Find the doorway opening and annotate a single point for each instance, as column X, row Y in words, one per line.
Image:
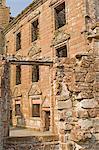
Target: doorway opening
column 47, row 120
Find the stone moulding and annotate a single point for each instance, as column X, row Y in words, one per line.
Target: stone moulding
column 52, row 2
column 34, row 90
column 16, row 92
column 60, row 37
column 32, row 16
column 33, row 6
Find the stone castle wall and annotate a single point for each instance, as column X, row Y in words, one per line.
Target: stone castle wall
column 77, row 103
column 32, row 143
column 75, row 79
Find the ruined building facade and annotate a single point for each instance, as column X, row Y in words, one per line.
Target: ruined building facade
column 60, row 92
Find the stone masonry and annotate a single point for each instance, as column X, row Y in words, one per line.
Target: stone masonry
column 68, row 88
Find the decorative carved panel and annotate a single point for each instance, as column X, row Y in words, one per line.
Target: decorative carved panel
column 16, row 92
column 34, row 50
column 60, row 37
column 34, row 90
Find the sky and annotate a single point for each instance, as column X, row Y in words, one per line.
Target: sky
column 16, row 6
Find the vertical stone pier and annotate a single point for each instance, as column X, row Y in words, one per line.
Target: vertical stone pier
column 4, row 101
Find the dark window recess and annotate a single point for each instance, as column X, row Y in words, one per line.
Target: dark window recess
column 35, row 73
column 18, row 75
column 18, row 41
column 62, row 51
column 35, row 110
column 35, row 30
column 17, row 110
column 60, row 17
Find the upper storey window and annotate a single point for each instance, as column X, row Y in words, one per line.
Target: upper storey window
column 35, row 73
column 61, row 51
column 60, row 17
column 35, row 30
column 18, row 41
column 18, row 74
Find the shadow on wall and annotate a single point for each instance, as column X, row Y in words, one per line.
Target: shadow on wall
column 6, row 100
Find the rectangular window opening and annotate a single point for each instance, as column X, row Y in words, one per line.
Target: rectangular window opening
column 35, row 73
column 35, row 30
column 17, row 110
column 18, row 41
column 61, row 51
column 18, row 74
column 60, row 17
column 35, row 110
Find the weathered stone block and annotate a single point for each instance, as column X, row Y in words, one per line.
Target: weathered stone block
column 77, row 135
column 68, row 127
column 80, row 69
column 84, row 95
column 96, row 122
column 80, row 77
column 85, row 63
column 96, row 87
column 87, row 94
column 90, row 77
column 89, row 103
column 83, row 113
column 97, row 77
column 69, row 77
column 64, row 104
column 92, row 113
column 82, row 86
column 96, row 136
column 85, row 124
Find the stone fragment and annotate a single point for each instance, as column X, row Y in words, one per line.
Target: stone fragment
column 73, row 87
column 85, row 124
column 69, row 77
column 85, row 63
column 62, row 125
column 65, row 91
column 96, row 122
column 77, row 135
column 96, row 136
column 87, row 94
column 68, row 127
column 80, row 70
column 88, row 135
column 64, row 104
column 80, row 77
column 97, row 76
column 70, row 146
column 84, row 94
column 90, row 77
column 61, row 116
column 92, row 113
column 96, row 87
column 89, row 103
column 83, row 113
column 61, row 98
